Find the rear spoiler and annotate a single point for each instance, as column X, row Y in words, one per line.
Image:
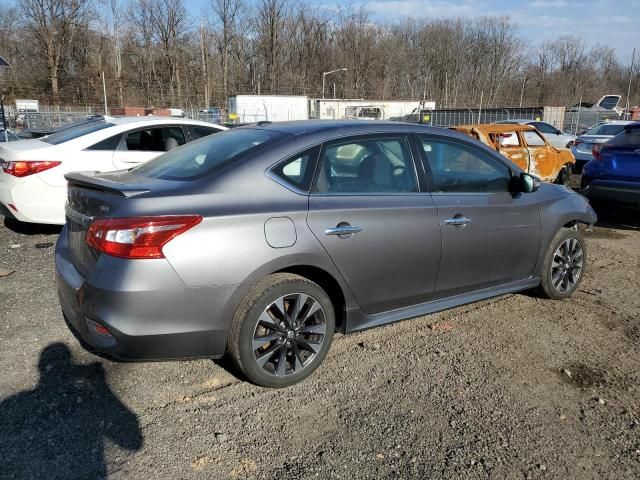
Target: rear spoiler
column 90, row 181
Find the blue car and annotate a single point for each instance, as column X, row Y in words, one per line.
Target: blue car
column 614, row 173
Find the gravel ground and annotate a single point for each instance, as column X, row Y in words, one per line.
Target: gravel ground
column 515, row 387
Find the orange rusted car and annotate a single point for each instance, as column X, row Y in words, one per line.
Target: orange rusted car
column 527, row 148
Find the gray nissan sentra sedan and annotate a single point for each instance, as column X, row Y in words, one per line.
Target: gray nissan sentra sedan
column 262, row 241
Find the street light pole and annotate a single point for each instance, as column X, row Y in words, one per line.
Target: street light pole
column 324, row 74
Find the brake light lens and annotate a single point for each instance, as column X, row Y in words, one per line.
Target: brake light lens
column 137, row 237
column 596, row 151
column 24, row 168
column 577, row 142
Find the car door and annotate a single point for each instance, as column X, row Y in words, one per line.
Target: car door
column 489, row 235
column 143, row 144
column 542, row 157
column 381, row 231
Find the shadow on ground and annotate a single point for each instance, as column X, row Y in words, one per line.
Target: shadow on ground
column 31, row 228
column 612, row 216
column 59, row 429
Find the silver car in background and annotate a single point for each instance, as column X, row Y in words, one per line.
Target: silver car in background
column 260, row 242
column 602, row 132
column 555, row 137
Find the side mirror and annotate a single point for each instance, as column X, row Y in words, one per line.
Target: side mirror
column 528, row 183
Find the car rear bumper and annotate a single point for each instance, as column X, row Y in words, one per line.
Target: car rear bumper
column 159, row 318
column 582, row 158
column 32, row 200
column 612, row 190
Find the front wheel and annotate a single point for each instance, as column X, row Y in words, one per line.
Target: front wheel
column 564, row 175
column 564, row 264
column 282, row 330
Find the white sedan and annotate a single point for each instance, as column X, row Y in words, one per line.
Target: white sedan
column 32, row 184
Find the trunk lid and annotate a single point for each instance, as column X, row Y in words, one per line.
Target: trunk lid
column 588, row 141
column 100, row 195
column 621, row 161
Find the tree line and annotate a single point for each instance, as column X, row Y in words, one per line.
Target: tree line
column 157, row 53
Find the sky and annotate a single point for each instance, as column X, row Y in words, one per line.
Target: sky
column 615, row 23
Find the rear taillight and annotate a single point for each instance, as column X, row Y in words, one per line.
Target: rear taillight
column 596, row 151
column 137, row 237
column 577, row 142
column 24, row 168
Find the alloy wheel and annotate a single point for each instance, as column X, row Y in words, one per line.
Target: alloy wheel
column 566, row 265
column 289, row 334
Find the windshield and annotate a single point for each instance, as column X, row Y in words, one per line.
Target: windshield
column 606, row 129
column 79, row 130
column 205, row 155
column 610, row 102
column 629, row 136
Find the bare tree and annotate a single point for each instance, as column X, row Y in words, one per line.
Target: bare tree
column 226, row 17
column 54, row 24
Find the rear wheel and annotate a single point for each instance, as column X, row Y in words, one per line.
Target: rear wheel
column 564, row 264
column 282, row 330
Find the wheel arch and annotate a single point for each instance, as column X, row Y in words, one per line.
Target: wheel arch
column 328, row 283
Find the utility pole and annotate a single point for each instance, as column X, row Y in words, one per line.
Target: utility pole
column 633, row 57
column 324, row 74
column 104, row 91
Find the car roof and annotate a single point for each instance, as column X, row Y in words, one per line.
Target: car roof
column 304, row 127
column 518, row 120
column 617, row 122
column 153, row 119
column 495, row 127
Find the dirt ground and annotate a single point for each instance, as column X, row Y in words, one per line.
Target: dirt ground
column 514, row 387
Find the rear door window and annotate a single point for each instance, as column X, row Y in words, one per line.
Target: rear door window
column 198, row 131
column 367, row 165
column 160, row 139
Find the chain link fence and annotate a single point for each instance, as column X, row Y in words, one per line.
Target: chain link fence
column 573, row 121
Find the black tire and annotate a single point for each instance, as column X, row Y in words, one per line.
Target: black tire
column 564, row 175
column 547, row 288
column 245, row 326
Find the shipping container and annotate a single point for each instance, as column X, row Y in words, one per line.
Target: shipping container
column 274, row 108
column 332, row 108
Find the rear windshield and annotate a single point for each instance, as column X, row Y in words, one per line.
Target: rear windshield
column 629, row 136
column 75, row 132
column 605, row 129
column 198, row 158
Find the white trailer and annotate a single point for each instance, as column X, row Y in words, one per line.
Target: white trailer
column 27, row 106
column 274, row 108
column 330, row 108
